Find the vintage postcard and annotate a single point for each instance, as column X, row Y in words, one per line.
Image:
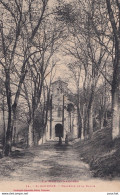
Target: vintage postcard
column 59, row 96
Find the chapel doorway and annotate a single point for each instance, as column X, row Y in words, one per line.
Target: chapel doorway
column 58, row 130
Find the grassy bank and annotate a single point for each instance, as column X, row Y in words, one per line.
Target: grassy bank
column 101, row 153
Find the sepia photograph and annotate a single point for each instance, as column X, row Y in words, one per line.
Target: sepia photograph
column 60, row 95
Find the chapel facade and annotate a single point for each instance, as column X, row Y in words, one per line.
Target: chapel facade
column 62, row 117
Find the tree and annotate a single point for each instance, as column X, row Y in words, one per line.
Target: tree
column 114, row 17
column 70, row 109
column 93, row 41
column 40, row 66
column 105, row 20
column 16, row 17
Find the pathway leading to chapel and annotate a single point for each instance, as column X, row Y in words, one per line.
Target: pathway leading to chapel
column 48, row 162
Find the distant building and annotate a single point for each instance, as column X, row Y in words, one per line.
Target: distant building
column 62, row 117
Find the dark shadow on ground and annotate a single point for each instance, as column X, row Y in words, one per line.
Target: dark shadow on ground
column 102, row 154
column 20, row 154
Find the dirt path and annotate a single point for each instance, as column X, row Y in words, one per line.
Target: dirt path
column 48, row 162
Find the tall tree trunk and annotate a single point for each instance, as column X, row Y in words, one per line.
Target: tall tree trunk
column 116, row 93
column 4, row 125
column 82, row 128
column 70, row 121
column 8, row 144
column 101, row 122
column 115, row 114
column 101, row 115
column 79, row 122
column 90, row 120
column 85, row 122
column 82, row 123
column 14, row 124
column 116, row 66
column 30, row 134
column 90, row 110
